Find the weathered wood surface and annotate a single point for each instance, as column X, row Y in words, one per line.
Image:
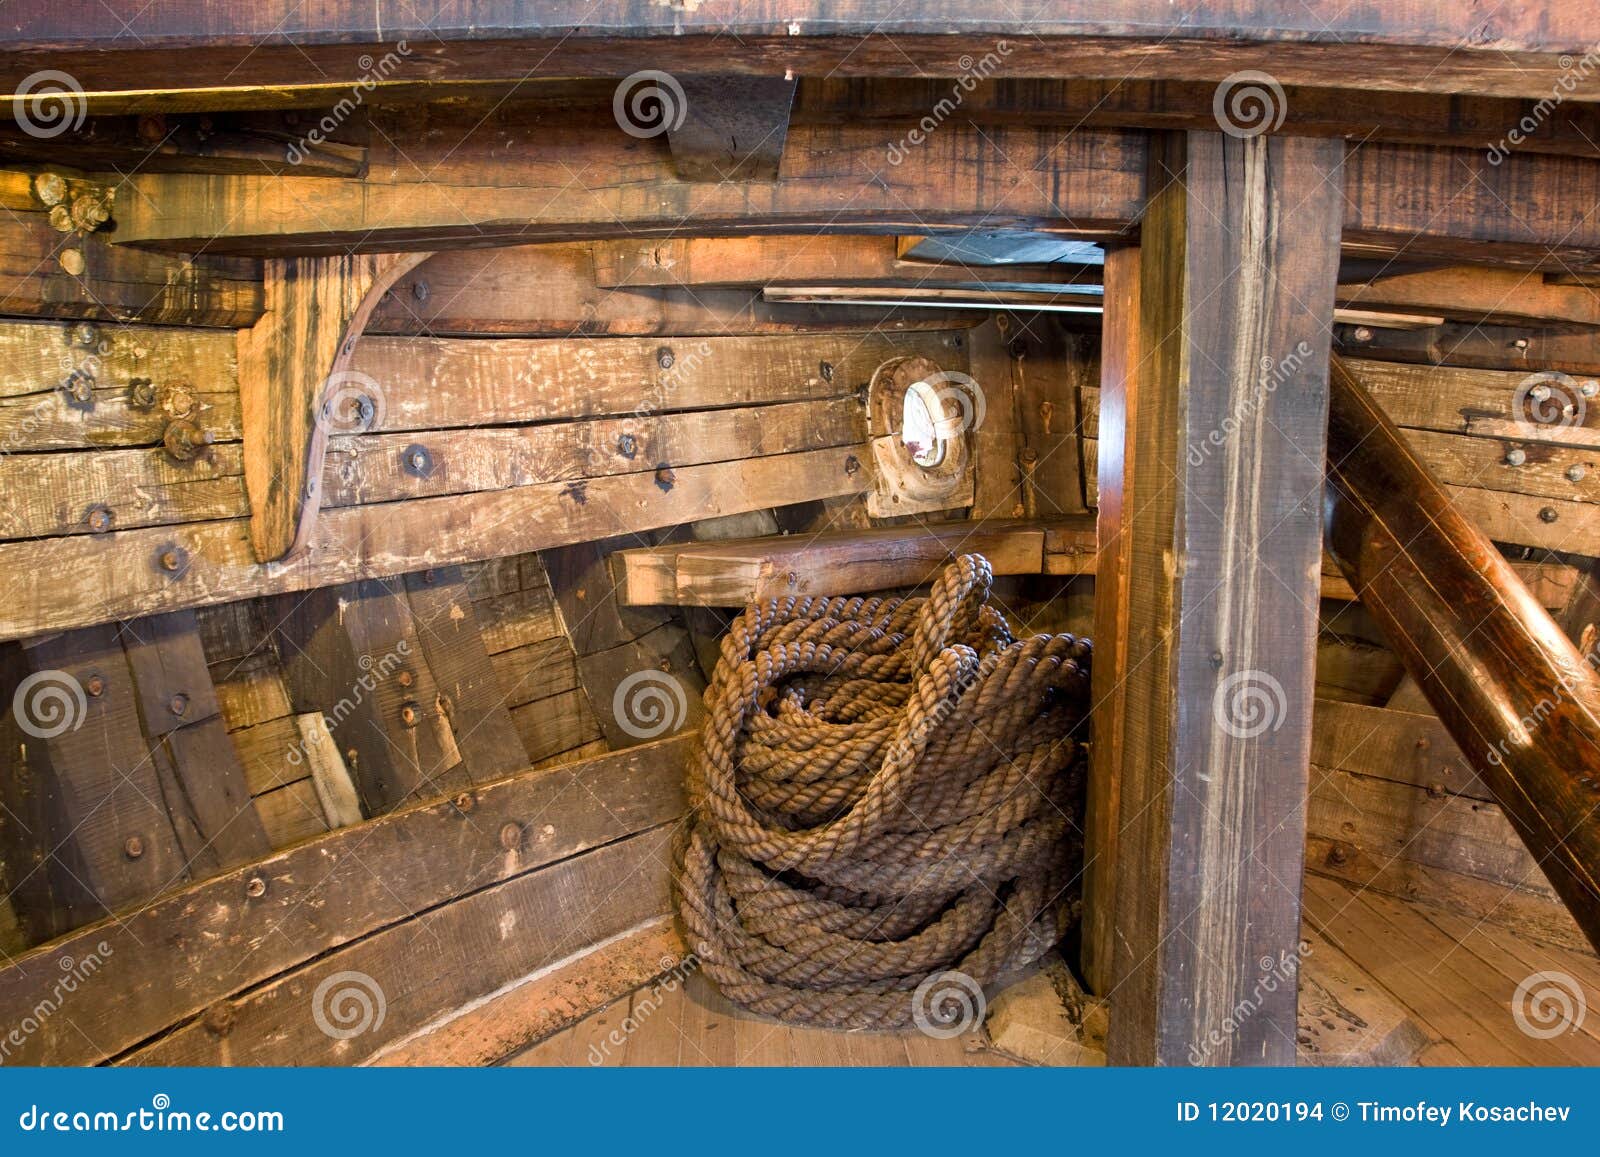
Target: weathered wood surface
column 732, row 127
column 1239, row 257
column 1522, row 702
column 63, row 583
column 294, row 387
column 222, row 940
column 732, row 574
column 1121, row 355
column 1411, row 47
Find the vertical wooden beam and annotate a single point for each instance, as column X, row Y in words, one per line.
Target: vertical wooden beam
column 202, row 780
column 295, row 386
column 1119, row 359
column 1238, row 262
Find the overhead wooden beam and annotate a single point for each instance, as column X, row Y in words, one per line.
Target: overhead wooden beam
column 1238, row 261
column 294, row 389
column 732, row 127
column 833, row 259
column 1408, row 49
column 1464, row 207
column 463, row 178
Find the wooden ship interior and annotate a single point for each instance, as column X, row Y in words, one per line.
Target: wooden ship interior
column 395, row 422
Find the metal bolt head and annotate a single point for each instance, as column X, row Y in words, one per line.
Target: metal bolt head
column 172, row 559
column 418, row 459
column 96, row 686
column 511, row 837
column 627, row 445
column 255, row 888
column 405, row 678
column 1589, row 388
column 409, row 714
column 851, row 464
column 98, row 518
column 133, row 848
column 141, row 393
column 465, row 802
column 1521, row 343
column 1575, row 472
column 1338, row 854
column 1362, row 334
column 85, row 335
column 665, row 358
column 1516, row 456
column 827, row 371
column 1540, row 392
column 178, row 704
column 419, row 290
column 1548, row 514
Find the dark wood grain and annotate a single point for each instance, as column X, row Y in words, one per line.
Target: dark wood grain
column 1519, row 698
column 1239, row 258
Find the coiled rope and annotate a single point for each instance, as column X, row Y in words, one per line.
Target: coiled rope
column 884, row 790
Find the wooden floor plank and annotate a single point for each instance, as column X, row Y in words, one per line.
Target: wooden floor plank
column 707, row 1025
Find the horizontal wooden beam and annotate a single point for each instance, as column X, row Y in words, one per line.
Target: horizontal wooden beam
column 239, row 929
column 279, row 45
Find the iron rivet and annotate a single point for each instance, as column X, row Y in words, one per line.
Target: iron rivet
column 1540, row 392
column 141, row 393
column 428, row 576
column 408, row 714
column 664, row 358
column 1521, row 343
column 1575, row 472
column 419, row 290
column 1216, row 660
column 851, row 465
column 179, row 703
column 627, row 445
column 1516, row 456
column 1362, row 334
column 1548, row 514
column 405, row 678
column 1589, row 388
column 173, row 559
column 84, row 334
column 255, row 888
column 1338, row 854
column 98, row 518
column 665, row 478
column 827, row 371
column 96, row 686
column 134, row 848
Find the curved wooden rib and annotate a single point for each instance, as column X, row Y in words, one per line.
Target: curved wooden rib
column 1517, row 696
column 292, row 363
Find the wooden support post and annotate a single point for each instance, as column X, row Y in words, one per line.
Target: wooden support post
column 1119, row 358
column 352, row 653
column 732, row 127
column 82, row 824
column 202, row 780
column 295, row 388
column 637, row 665
column 1239, row 257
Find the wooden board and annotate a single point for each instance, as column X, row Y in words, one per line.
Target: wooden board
column 222, row 940
column 1239, row 255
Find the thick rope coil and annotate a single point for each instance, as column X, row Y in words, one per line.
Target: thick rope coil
column 885, row 789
